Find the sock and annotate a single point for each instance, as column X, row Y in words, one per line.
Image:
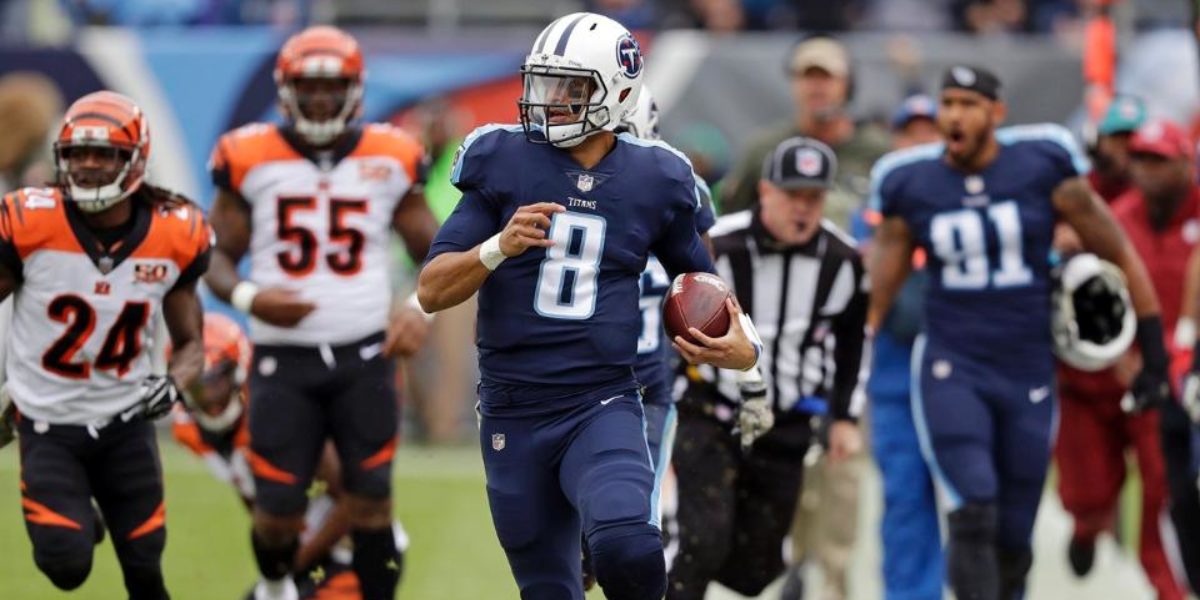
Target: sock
column 377, row 563
column 274, row 562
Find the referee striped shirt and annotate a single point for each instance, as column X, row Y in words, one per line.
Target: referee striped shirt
column 809, row 304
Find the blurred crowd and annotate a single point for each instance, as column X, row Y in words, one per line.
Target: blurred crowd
column 983, row 17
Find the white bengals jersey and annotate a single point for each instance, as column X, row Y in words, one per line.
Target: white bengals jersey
column 321, row 225
column 84, row 318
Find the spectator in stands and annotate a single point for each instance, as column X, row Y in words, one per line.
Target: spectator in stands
column 633, row 14
column 1111, row 163
column 30, row 105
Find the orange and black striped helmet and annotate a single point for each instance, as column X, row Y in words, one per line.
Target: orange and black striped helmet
column 316, row 53
column 110, row 120
column 225, row 346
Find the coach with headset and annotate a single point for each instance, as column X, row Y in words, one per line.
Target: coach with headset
column 821, row 81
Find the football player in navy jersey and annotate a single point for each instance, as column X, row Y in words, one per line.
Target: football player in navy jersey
column 983, row 204
column 557, row 219
column 652, row 368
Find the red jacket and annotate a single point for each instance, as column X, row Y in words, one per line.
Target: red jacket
column 1165, row 254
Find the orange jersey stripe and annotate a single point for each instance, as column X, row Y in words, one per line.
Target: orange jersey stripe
column 157, row 519
column 382, row 457
column 179, row 234
column 240, row 150
column 187, row 433
column 37, row 220
column 40, row 514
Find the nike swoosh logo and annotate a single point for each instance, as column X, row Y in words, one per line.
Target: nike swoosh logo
column 1036, row 395
column 605, row 402
column 370, row 351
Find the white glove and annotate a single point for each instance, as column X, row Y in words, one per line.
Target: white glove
column 1191, row 395
column 159, row 394
column 755, row 416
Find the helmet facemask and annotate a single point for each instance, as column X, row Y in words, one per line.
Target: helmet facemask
column 98, row 174
column 320, row 108
column 216, row 398
column 564, row 105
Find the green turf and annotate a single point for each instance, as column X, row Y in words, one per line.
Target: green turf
column 439, row 497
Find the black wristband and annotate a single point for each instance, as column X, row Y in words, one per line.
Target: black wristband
column 1196, row 357
column 1152, row 343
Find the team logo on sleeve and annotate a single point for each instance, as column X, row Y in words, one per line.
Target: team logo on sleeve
column 629, row 56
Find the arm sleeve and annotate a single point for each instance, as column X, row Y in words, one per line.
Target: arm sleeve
column 475, row 219
column 850, row 370
column 679, row 248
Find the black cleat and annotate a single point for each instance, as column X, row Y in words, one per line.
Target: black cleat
column 1081, row 554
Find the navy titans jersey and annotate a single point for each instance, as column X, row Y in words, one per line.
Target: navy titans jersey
column 653, row 370
column 988, row 236
column 567, row 317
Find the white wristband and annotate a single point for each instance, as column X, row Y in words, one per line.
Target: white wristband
column 243, row 295
column 490, row 254
column 413, row 302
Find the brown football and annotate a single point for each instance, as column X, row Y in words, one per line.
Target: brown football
column 696, row 300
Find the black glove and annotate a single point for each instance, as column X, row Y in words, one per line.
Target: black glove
column 1151, row 388
column 159, row 395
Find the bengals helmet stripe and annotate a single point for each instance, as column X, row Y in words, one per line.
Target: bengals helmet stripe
column 320, row 52
column 105, row 119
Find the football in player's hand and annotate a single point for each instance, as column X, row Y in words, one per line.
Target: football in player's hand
column 696, row 300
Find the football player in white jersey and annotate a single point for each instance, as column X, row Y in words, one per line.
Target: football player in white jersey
column 213, row 425
column 314, row 202
column 93, row 264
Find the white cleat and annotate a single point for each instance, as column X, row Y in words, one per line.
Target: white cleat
column 284, row 589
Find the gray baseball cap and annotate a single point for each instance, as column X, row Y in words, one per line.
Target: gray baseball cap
column 799, row 163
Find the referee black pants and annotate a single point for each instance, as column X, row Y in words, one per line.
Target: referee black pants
column 734, row 509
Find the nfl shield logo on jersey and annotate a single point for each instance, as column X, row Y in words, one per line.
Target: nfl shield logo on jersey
column 497, row 441
column 585, row 183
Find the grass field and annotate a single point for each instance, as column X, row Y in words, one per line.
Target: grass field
column 454, row 554
column 440, row 499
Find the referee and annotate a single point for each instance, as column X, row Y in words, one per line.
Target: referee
column 802, row 282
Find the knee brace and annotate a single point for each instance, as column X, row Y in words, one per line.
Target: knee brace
column 629, row 563
column 66, row 573
column 1013, row 565
column 971, row 566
